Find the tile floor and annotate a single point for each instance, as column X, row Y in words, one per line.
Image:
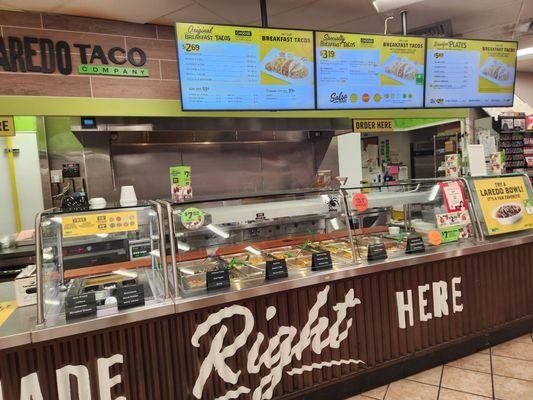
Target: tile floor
column 503, row 372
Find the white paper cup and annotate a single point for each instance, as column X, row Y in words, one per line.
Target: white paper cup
column 127, row 196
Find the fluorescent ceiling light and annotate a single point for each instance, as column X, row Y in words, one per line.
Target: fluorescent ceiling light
column 525, row 52
column 388, row 5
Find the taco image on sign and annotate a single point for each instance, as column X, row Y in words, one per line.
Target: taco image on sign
column 508, row 214
column 287, row 67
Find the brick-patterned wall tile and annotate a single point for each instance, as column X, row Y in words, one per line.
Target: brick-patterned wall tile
column 44, row 85
column 27, row 20
column 160, row 49
column 135, row 88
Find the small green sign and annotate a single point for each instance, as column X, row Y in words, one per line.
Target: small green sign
column 450, row 234
column 419, row 79
column 192, row 218
column 85, row 69
column 180, row 183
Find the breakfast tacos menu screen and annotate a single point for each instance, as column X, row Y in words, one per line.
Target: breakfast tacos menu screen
column 506, row 203
column 470, row 73
column 357, row 71
column 242, row 68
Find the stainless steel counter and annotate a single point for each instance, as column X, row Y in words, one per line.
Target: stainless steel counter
column 20, row 328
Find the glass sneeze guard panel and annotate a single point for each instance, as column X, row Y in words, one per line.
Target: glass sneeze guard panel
column 438, row 212
column 99, row 262
column 242, row 238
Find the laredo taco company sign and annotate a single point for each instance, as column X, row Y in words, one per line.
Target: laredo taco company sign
column 42, row 55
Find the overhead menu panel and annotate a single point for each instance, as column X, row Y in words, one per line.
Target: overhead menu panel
column 358, row 71
column 244, row 68
column 470, row 73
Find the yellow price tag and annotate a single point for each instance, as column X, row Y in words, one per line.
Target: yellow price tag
column 6, row 309
column 94, row 224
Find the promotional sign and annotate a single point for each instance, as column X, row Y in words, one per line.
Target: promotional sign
column 180, row 183
column 7, row 126
column 94, row 224
column 470, row 73
column 357, row 71
column 505, row 204
column 245, row 68
column 454, row 196
column 373, row 125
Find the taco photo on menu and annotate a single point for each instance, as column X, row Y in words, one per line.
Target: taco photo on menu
column 287, row 66
column 508, row 214
column 497, row 72
column 402, row 69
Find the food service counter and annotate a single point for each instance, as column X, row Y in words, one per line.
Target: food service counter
column 313, row 334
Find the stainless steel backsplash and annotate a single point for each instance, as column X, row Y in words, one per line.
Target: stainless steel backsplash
column 223, row 162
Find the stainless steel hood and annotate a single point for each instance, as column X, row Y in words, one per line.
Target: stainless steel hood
column 148, row 124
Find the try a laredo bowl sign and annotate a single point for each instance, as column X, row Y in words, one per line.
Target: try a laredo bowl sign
column 42, row 55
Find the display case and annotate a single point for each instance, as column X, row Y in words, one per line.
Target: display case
column 238, row 243
column 244, row 242
column 101, row 262
column 405, row 218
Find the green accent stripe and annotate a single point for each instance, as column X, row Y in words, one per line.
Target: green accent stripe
column 76, row 106
column 25, row 124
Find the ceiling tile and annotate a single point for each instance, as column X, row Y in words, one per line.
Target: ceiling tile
column 372, row 24
column 192, row 13
column 323, row 13
column 31, row 5
column 486, row 18
column 236, row 11
column 279, row 6
column 128, row 10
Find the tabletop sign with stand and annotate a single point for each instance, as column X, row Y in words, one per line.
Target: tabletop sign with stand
column 415, row 244
column 217, row 279
column 505, row 202
column 376, row 251
column 130, row 296
column 276, row 269
column 321, row 261
column 79, row 306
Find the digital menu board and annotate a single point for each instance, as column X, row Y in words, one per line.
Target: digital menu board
column 470, row 73
column 244, row 68
column 357, row 71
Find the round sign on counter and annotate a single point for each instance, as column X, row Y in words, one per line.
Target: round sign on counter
column 360, row 201
column 434, row 238
column 192, row 218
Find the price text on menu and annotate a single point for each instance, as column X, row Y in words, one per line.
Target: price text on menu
column 357, row 71
column 243, row 68
column 470, row 73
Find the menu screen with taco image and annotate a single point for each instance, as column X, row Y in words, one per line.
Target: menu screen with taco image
column 506, row 203
column 357, row 71
column 470, row 73
column 245, row 68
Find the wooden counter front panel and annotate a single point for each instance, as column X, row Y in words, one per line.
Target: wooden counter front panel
column 160, row 361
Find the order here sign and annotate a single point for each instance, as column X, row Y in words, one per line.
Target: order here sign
column 7, row 127
column 373, row 125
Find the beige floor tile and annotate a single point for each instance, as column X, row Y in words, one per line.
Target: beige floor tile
column 514, row 349
column 475, row 362
column 431, row 376
column 486, row 351
column 525, row 339
column 512, row 389
column 512, row 368
column 467, row 381
column 359, row 397
column 448, row 394
column 377, row 393
column 405, row 389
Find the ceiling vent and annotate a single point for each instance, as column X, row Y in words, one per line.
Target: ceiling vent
column 439, row 29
